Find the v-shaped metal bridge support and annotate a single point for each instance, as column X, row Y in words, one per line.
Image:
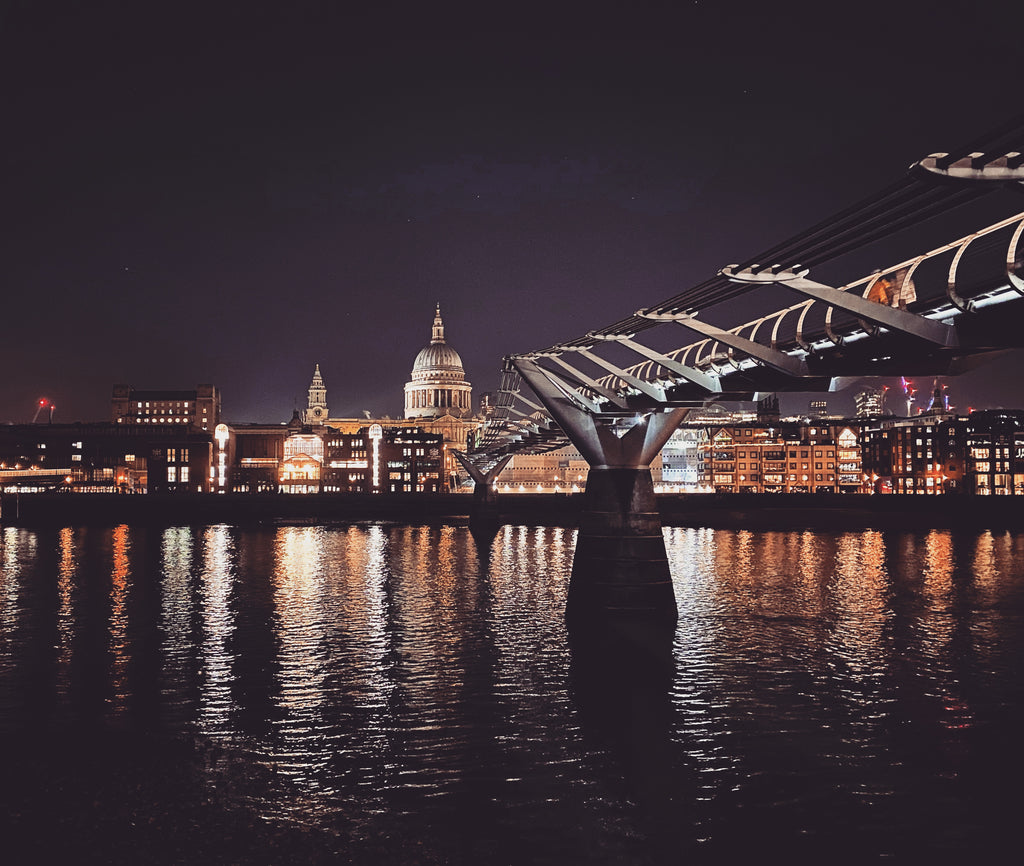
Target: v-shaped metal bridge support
column 485, row 500
column 620, row 568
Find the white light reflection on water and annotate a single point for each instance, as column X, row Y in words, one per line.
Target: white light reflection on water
column 368, row 761
column 303, row 613
column 216, row 660
column 177, row 608
column 17, row 544
column 703, row 617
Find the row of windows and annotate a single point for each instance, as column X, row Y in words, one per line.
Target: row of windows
column 429, row 398
column 177, row 474
column 775, row 455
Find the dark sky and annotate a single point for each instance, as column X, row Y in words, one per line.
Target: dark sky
column 233, row 192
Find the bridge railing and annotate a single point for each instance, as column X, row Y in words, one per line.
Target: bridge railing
column 979, row 269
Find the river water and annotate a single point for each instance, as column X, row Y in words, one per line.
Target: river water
column 827, row 693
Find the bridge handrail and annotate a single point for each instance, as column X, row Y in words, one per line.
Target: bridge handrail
column 908, row 264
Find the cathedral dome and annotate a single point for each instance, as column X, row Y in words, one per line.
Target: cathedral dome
column 438, row 383
column 437, row 357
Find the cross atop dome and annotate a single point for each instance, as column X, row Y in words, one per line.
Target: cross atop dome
column 438, row 333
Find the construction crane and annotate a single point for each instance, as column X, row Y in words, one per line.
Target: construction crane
column 43, row 404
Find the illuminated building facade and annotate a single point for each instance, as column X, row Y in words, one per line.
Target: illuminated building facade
column 300, row 458
column 677, row 468
column 869, row 402
column 300, row 469
column 378, row 459
column 561, row 470
column 682, row 461
column 981, row 454
column 994, row 458
column 921, row 455
column 786, row 458
column 199, row 408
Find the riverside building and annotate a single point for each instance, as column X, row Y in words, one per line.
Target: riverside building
column 199, row 408
column 981, row 454
column 104, row 457
column 788, row 457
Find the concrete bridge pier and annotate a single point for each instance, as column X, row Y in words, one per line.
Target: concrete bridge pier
column 620, row 568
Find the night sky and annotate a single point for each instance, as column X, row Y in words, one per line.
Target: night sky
column 235, row 192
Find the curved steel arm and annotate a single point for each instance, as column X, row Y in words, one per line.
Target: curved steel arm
column 976, row 166
column 888, row 317
column 771, row 357
column 711, row 384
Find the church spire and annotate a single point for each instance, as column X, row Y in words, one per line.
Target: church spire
column 316, row 411
column 318, row 381
column 438, row 333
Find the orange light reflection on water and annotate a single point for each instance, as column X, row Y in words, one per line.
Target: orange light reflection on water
column 120, row 654
column 67, row 569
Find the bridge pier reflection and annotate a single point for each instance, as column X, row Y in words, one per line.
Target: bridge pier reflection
column 620, row 676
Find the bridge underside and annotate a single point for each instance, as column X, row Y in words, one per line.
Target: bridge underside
column 982, row 336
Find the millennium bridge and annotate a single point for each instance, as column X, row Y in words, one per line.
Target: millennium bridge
column 950, row 297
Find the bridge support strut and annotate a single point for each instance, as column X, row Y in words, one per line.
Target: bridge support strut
column 485, row 499
column 620, row 568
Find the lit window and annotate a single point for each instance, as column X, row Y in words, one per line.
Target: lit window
column 172, row 474
column 184, row 474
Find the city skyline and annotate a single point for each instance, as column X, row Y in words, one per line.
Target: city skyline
column 234, row 197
